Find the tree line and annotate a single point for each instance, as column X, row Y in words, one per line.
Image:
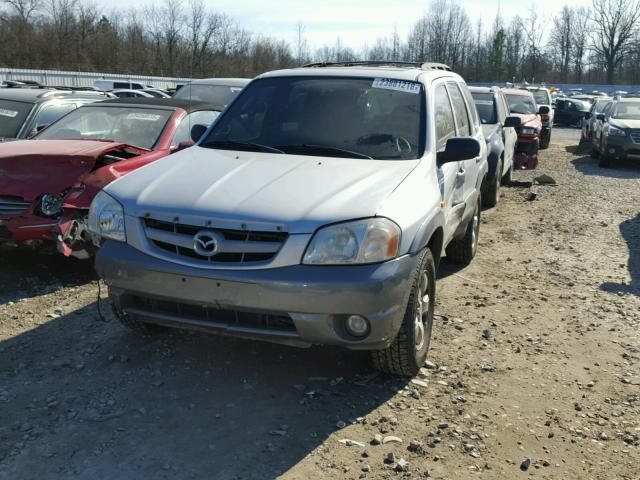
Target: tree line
column 597, row 44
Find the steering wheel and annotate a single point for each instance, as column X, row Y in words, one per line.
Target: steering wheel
column 401, row 142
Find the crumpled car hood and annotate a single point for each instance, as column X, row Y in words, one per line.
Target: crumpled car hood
column 29, row 168
column 299, row 192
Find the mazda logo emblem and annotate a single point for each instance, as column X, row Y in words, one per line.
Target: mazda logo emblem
column 206, row 243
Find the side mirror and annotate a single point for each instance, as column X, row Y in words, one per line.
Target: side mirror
column 458, row 149
column 544, row 110
column 197, row 131
column 38, row 129
column 512, row 122
column 587, row 115
column 600, row 116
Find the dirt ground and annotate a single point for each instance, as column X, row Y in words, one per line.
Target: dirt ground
column 535, row 355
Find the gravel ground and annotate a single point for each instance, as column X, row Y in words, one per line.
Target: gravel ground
column 534, row 369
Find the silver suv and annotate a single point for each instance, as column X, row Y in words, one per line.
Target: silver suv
column 314, row 210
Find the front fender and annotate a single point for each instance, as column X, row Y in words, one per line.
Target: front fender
column 433, row 222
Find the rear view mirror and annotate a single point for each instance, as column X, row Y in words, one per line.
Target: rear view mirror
column 512, row 122
column 38, row 129
column 544, row 110
column 197, row 131
column 459, row 149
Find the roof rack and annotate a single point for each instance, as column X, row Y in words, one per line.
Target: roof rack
column 54, row 92
column 381, row 63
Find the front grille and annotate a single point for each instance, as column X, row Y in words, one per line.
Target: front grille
column 635, row 136
column 13, row 206
column 236, row 246
column 215, row 317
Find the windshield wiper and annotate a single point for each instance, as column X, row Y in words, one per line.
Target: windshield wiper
column 232, row 144
column 324, row 149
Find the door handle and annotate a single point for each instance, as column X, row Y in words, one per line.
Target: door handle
column 461, row 172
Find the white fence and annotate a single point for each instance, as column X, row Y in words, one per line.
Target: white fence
column 84, row 79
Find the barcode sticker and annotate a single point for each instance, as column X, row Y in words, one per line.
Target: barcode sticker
column 398, row 85
column 148, row 117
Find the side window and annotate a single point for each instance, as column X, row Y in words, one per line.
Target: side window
column 473, row 113
column 445, row 126
column 460, row 109
column 50, row 113
column 183, row 132
column 607, row 109
column 505, row 106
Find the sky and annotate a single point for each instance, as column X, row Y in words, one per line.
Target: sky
column 355, row 22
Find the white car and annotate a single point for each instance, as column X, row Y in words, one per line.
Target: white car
column 314, row 210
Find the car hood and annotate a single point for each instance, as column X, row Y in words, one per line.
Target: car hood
column 625, row 124
column 527, row 119
column 29, row 168
column 298, row 193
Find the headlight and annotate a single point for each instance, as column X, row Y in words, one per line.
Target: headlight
column 51, row 205
column 106, row 218
column 369, row 240
column 616, row 132
column 528, row 131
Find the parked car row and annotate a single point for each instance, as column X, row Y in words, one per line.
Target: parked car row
column 309, row 206
column 615, row 132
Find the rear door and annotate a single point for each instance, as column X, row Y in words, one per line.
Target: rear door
column 466, row 127
column 450, row 180
column 510, row 135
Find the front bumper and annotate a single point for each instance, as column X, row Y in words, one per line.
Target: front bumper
column 621, row 147
column 315, row 300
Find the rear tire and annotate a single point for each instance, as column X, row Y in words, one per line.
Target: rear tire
column 464, row 250
column 491, row 196
column 507, row 178
column 408, row 352
column 545, row 140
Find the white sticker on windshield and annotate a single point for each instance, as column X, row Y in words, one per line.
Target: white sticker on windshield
column 8, row 113
column 399, row 85
column 483, row 102
column 148, row 117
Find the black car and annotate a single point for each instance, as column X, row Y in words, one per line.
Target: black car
column 570, row 111
column 25, row 111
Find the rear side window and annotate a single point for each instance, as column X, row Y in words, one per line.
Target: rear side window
column 445, row 125
column 473, row 113
column 462, row 117
column 50, row 113
column 486, row 107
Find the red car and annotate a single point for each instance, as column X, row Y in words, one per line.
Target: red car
column 523, row 104
column 47, row 183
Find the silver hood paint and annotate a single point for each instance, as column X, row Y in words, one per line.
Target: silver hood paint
column 301, row 193
column 624, row 124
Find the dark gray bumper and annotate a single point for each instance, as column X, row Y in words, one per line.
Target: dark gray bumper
column 622, row 147
column 316, row 299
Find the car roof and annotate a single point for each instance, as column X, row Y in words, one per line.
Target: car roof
column 517, row 91
column 173, row 103
column 627, row 100
column 36, row 95
column 537, row 88
column 484, row 89
column 409, row 72
column 226, row 82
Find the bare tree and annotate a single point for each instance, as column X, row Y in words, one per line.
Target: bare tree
column 615, row 23
column 301, row 46
column 562, row 39
column 580, row 37
column 25, row 9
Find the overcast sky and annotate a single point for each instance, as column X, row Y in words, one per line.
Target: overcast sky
column 356, row 22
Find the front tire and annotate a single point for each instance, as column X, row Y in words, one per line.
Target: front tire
column 492, row 194
column 408, row 352
column 464, row 250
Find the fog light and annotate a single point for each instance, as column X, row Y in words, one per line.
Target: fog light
column 612, row 150
column 51, row 205
column 357, row 326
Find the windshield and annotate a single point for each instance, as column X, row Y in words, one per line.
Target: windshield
column 12, row 117
column 341, row 117
column 139, row 127
column 541, row 96
column 486, row 108
column 601, row 104
column 218, row 94
column 521, row 104
column 627, row 111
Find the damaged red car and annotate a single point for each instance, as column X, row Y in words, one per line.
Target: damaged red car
column 523, row 104
column 47, row 183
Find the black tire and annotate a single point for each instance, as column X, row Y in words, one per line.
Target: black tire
column 491, row 195
column 545, row 140
column 605, row 161
column 463, row 251
column 408, row 351
column 507, row 178
column 134, row 325
column 579, row 123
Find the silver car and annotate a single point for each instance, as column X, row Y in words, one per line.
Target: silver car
column 315, row 210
